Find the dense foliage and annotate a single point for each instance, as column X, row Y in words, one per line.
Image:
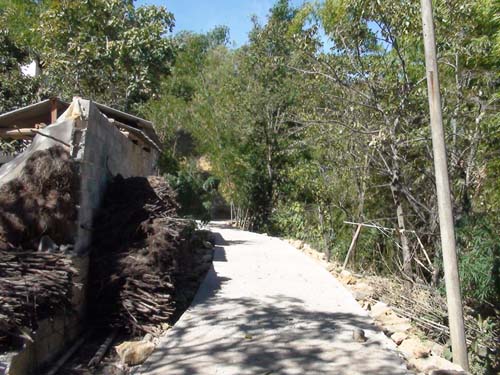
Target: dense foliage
column 109, row 51
column 320, row 122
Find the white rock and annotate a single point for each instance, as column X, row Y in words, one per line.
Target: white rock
column 359, row 335
column 393, row 323
column 399, row 337
column 347, row 278
column 361, row 290
column 413, row 347
column 379, row 309
column 437, row 349
column 134, row 352
column 332, row 268
column 298, row 244
column 433, row 363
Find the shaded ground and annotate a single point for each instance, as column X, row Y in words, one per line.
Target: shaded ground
column 195, row 264
column 266, row 308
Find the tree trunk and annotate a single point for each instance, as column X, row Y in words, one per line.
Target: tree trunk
column 407, row 269
column 397, row 196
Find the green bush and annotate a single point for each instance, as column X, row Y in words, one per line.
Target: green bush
column 195, row 192
column 479, row 260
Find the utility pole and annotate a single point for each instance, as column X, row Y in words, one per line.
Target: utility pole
column 453, row 297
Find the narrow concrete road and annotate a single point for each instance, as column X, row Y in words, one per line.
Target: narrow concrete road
column 266, row 308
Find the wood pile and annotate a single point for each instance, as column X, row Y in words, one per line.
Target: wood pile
column 137, row 241
column 39, row 204
column 33, row 285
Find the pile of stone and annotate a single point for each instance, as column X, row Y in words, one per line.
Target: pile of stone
column 423, row 355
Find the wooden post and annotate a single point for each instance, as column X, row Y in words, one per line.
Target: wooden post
column 353, row 245
column 453, row 297
column 53, row 110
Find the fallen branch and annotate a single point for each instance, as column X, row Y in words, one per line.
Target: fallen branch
column 101, row 352
column 352, row 246
column 57, row 366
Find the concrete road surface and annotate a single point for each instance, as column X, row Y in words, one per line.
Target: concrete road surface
column 266, row 308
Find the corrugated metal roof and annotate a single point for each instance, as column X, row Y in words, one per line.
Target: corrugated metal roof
column 40, row 113
column 128, row 119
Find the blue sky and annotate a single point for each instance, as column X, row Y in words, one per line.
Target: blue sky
column 202, row 15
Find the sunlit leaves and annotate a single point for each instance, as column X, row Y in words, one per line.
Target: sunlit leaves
column 106, row 50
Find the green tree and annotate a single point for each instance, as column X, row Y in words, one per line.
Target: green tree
column 109, row 51
column 16, row 90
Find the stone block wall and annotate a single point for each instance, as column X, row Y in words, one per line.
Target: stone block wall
column 55, row 334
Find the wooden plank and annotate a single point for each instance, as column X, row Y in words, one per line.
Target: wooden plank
column 53, row 110
column 17, row 133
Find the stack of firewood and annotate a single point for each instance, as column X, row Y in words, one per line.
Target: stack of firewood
column 41, row 202
column 32, row 286
column 137, row 240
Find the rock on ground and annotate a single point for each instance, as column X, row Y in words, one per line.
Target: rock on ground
column 134, row 352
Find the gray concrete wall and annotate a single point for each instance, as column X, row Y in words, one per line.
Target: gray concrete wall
column 104, row 152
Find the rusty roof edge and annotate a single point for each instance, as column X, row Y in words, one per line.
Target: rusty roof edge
column 105, row 109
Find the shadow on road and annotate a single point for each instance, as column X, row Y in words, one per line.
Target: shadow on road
column 265, row 340
column 272, row 334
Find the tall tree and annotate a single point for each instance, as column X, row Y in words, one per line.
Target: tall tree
column 109, row 51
